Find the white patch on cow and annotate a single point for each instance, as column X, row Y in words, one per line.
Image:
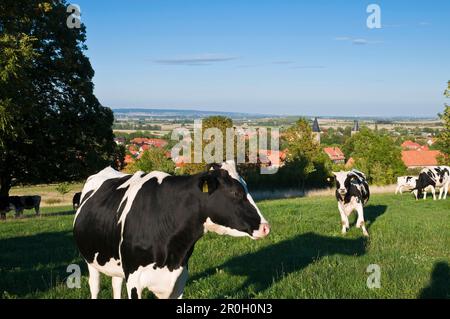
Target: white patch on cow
column 161, row 281
column 230, row 167
column 209, row 225
column 134, row 184
column 112, row 268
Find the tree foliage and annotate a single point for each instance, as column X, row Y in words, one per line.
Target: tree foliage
column 376, row 155
column 52, row 127
column 153, row 159
column 305, row 159
column 219, row 122
column 444, row 136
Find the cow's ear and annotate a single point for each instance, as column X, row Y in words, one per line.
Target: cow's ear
column 213, row 166
column 208, row 183
column 334, row 173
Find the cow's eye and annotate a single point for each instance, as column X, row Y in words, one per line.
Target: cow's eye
column 236, row 194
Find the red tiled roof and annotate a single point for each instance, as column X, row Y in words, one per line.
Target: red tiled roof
column 410, row 145
column 149, row 141
column 334, row 153
column 128, row 159
column 274, row 156
column 420, row 158
column 350, row 162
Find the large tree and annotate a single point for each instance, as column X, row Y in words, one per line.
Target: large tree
column 305, row 159
column 444, row 136
column 52, row 127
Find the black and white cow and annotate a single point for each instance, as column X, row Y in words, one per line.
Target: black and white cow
column 19, row 204
column 436, row 176
column 409, row 183
column 405, row 182
column 76, row 200
column 143, row 227
column 352, row 193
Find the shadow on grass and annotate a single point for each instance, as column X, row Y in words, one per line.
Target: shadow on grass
column 270, row 264
column 372, row 212
column 439, row 286
column 35, row 263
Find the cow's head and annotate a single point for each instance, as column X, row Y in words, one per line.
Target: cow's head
column 229, row 207
column 342, row 182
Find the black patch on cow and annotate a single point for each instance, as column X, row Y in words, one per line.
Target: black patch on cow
column 425, row 179
column 96, row 228
column 408, row 178
column 86, row 196
column 134, row 294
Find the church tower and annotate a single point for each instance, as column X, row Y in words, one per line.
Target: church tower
column 355, row 128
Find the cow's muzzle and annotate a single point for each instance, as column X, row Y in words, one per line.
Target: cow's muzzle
column 263, row 231
column 342, row 191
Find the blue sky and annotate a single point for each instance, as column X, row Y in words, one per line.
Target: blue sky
column 266, row 56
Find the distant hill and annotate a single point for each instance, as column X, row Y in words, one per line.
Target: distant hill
column 171, row 113
column 195, row 114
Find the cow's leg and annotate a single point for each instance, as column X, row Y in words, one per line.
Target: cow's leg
column 360, row 221
column 344, row 219
column 94, row 281
column 445, row 190
column 117, row 287
column 433, row 191
column 397, row 189
column 18, row 213
column 177, row 292
column 441, row 189
column 134, row 287
column 2, row 216
column 415, row 192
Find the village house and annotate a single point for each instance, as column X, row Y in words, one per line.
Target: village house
column 415, row 155
column 335, row 154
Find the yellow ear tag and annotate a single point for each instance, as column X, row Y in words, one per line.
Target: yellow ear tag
column 205, row 187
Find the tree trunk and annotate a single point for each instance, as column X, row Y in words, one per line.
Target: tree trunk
column 5, row 185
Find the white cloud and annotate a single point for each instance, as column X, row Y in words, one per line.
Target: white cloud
column 201, row 59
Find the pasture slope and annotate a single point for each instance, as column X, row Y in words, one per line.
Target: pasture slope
column 305, row 256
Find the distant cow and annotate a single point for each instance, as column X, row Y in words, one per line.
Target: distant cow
column 76, row 200
column 352, row 193
column 143, row 227
column 19, row 204
column 405, row 182
column 436, row 176
column 409, row 183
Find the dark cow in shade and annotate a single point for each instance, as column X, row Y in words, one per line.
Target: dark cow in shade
column 436, row 176
column 143, row 227
column 19, row 204
column 76, row 200
column 352, row 193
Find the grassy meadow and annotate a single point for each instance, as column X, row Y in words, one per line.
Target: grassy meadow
column 305, row 256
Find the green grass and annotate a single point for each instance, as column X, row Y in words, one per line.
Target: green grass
column 305, row 256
